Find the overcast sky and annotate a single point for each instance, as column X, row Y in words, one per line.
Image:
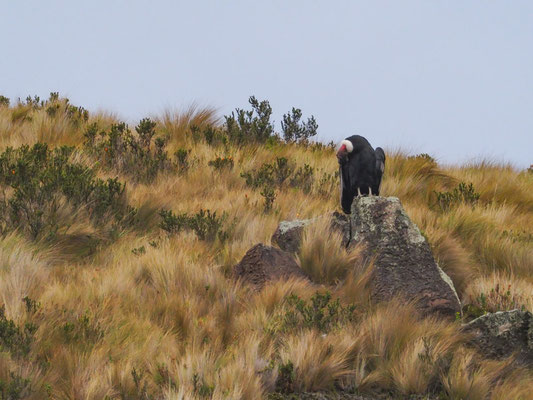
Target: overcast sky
column 450, row 78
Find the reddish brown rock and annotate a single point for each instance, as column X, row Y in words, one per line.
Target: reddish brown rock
column 262, row 264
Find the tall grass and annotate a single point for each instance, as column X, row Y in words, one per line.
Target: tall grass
column 168, row 321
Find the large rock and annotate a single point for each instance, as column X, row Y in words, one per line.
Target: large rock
column 262, row 264
column 288, row 235
column 403, row 262
column 500, row 334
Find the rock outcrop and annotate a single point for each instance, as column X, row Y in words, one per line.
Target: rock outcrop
column 288, row 235
column 262, row 264
column 500, row 334
column 403, row 261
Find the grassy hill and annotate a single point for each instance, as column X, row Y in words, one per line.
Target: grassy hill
column 116, row 253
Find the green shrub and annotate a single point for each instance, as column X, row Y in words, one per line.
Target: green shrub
column 138, row 155
column 269, row 195
column 55, row 106
column 40, row 178
column 321, row 314
column 213, row 136
column 269, row 174
column 205, row 224
column 303, row 178
column 201, row 388
column 328, row 183
column 463, row 193
column 82, row 329
column 252, row 126
column 4, row 101
column 220, row 164
column 182, row 156
column 423, row 156
column 286, row 377
column 15, row 388
column 17, row 340
column 296, row 131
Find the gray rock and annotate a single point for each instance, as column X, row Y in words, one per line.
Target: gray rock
column 500, row 334
column 403, row 261
column 262, row 264
column 288, row 235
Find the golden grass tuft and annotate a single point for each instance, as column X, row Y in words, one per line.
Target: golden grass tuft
column 322, row 255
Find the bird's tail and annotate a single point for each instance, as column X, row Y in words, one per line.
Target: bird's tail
column 380, row 155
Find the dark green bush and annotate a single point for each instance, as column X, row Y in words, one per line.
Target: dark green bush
column 328, row 183
column 286, row 377
column 56, row 106
column 213, row 136
column 138, row 155
column 17, row 340
column 221, row 163
column 182, row 156
column 321, row 314
column 463, row 193
column 303, row 178
column 252, row 126
column 296, row 131
column 82, row 329
column 4, row 101
column 205, row 224
column 269, row 195
column 40, row 179
column 423, row 156
column 269, row 174
column 15, row 388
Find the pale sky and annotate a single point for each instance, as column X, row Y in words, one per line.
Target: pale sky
column 450, row 78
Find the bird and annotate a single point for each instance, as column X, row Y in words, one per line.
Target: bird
column 360, row 169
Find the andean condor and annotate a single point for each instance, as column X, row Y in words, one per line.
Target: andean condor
column 360, row 169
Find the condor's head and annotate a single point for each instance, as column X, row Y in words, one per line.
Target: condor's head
column 345, row 149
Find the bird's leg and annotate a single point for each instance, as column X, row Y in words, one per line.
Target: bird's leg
column 358, row 192
column 370, row 191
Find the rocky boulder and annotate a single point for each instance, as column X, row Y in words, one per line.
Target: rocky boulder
column 262, row 264
column 288, row 235
column 403, row 261
column 500, row 334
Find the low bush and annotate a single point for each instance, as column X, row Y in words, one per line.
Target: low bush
column 138, row 155
column 15, row 388
column 321, row 313
column 463, row 193
column 280, row 173
column 40, row 179
column 13, row 338
column 296, row 131
column 205, row 224
column 253, row 126
column 182, row 157
column 221, row 163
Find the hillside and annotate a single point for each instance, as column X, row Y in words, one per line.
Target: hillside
column 116, row 256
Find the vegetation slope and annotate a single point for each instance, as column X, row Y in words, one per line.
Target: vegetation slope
column 116, row 255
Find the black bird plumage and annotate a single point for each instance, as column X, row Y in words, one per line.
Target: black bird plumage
column 360, row 170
